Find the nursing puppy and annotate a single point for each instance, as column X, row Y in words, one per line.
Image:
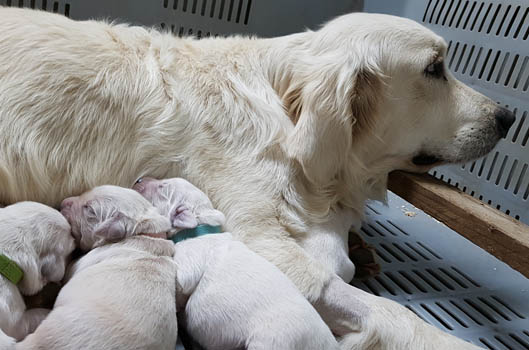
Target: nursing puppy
column 232, row 297
column 37, row 239
column 119, row 295
column 283, row 134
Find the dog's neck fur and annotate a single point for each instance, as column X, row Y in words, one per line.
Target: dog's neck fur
column 281, row 62
column 371, row 178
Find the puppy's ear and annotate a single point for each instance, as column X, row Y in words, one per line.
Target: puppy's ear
column 112, row 229
column 329, row 108
column 183, row 218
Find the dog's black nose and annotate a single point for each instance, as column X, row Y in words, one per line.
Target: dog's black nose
column 504, row 121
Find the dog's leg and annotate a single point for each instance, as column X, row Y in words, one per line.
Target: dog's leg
column 327, row 243
column 309, row 275
column 367, row 322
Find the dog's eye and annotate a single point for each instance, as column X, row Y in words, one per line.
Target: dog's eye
column 435, row 70
column 89, row 211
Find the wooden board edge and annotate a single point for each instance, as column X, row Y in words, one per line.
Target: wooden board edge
column 492, row 230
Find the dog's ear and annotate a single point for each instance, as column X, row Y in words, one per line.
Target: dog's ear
column 183, row 218
column 329, row 109
column 112, row 229
column 365, row 99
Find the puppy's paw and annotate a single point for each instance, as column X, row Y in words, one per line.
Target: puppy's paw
column 164, row 247
column 363, row 257
column 155, row 246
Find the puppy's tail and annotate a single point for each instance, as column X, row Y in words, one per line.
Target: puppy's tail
column 6, row 342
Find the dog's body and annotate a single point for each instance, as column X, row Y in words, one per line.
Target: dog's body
column 233, row 298
column 118, row 296
column 37, row 238
column 281, row 133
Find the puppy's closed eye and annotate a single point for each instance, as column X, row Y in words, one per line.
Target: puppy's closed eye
column 89, row 211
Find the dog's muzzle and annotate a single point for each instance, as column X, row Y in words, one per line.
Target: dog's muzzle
column 504, row 120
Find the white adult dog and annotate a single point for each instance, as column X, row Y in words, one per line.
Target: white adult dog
column 37, row 240
column 283, row 134
column 231, row 298
column 119, row 295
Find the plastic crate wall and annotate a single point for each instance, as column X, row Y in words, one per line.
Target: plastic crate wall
column 488, row 49
column 203, row 17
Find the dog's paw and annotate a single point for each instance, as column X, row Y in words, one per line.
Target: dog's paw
column 363, row 257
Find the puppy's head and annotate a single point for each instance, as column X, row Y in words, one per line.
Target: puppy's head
column 373, row 92
column 109, row 214
column 39, row 239
column 184, row 204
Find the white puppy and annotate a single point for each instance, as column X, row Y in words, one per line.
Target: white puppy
column 118, row 296
column 233, row 298
column 35, row 242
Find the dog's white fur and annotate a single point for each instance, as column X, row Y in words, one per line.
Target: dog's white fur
column 37, row 238
column 233, row 298
column 281, row 133
column 120, row 295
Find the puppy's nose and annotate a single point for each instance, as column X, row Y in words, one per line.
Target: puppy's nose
column 504, row 120
column 67, row 203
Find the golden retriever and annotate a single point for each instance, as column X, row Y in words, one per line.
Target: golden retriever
column 288, row 136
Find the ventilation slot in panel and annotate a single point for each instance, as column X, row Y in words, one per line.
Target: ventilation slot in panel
column 46, row 5
column 185, row 32
column 423, row 272
column 237, row 11
column 504, row 20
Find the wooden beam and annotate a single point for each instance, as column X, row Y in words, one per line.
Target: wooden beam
column 492, row 230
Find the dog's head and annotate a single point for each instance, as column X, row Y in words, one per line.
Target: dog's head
column 372, row 93
column 110, row 214
column 39, row 239
column 183, row 203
